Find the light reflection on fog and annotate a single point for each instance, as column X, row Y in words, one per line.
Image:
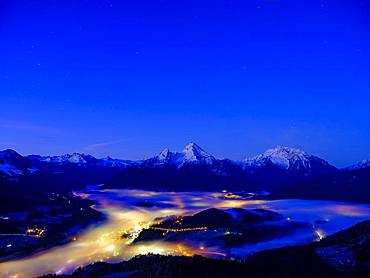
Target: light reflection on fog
column 104, row 243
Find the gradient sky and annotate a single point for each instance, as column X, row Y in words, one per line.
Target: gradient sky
column 129, row 78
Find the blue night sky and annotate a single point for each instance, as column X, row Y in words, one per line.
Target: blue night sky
column 129, row 78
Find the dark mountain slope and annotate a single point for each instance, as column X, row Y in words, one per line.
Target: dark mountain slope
column 349, row 185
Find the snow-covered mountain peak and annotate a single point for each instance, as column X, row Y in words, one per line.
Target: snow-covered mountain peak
column 164, row 154
column 282, row 157
column 285, row 151
column 362, row 164
column 193, row 152
column 291, row 160
column 77, row 158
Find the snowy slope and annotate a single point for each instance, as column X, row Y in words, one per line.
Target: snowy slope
column 9, row 169
column 362, row 164
column 80, row 160
column 192, row 154
column 289, row 159
column 13, row 164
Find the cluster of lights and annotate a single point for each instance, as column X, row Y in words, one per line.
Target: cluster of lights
column 183, row 251
column 35, row 232
column 142, row 250
column 232, row 196
column 180, row 230
column 133, row 233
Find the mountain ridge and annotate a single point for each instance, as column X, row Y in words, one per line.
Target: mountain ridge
column 360, row 165
column 290, row 159
column 281, row 157
column 282, row 171
column 191, row 152
column 196, row 169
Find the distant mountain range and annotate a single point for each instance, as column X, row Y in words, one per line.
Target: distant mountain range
column 281, row 171
column 362, row 164
column 65, row 172
column 12, row 163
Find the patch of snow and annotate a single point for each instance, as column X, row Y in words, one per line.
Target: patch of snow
column 32, row 170
column 47, row 159
column 164, row 154
column 10, row 169
column 219, row 172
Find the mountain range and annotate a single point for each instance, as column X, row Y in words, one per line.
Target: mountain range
column 280, row 171
column 63, row 173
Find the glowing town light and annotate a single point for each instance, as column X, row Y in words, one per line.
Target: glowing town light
column 320, row 234
column 142, row 250
column 110, row 248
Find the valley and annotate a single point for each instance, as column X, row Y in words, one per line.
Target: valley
column 115, row 239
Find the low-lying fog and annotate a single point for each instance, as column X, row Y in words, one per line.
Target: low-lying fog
column 129, row 211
